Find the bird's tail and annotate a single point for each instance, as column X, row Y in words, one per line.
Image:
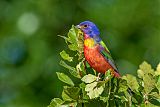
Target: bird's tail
column 116, row 74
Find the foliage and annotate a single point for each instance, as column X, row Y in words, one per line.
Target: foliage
column 29, row 45
column 141, row 90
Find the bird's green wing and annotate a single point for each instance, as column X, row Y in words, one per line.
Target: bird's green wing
column 104, row 45
column 105, row 52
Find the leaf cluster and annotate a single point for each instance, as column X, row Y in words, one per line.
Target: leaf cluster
column 142, row 90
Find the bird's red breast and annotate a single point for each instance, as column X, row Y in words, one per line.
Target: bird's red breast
column 95, row 58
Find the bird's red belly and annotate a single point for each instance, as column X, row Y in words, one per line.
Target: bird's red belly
column 96, row 60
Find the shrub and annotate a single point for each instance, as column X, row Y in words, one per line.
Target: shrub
column 142, row 90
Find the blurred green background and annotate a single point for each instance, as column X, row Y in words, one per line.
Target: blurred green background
column 29, row 46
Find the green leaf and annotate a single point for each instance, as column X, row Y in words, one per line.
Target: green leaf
column 74, row 41
column 154, row 101
column 123, row 99
column 66, row 97
column 70, row 93
column 72, row 35
column 64, row 78
column 89, row 78
column 56, row 102
column 123, row 86
column 62, row 63
column 137, row 98
column 93, row 91
column 104, row 99
column 69, row 104
column 146, row 68
column 147, row 74
column 75, row 38
column 81, row 68
column 132, row 82
column 82, row 86
column 64, row 37
column 140, row 73
column 73, row 47
column 66, row 56
column 87, row 64
column 90, row 87
column 157, row 72
column 72, row 70
column 108, row 74
column 149, row 83
column 158, row 84
column 150, row 105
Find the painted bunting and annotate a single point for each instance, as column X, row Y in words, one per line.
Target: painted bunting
column 95, row 51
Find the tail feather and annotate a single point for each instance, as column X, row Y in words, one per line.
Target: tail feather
column 116, row 74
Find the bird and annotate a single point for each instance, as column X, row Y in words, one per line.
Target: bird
column 96, row 52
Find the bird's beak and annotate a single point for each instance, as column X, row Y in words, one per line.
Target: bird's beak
column 78, row 26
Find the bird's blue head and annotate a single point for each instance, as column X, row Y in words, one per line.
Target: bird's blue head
column 90, row 29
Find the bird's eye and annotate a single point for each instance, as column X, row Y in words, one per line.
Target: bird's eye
column 85, row 26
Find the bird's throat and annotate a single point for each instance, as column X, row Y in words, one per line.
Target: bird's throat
column 86, row 36
column 89, row 42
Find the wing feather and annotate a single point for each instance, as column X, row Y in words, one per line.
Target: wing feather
column 105, row 52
